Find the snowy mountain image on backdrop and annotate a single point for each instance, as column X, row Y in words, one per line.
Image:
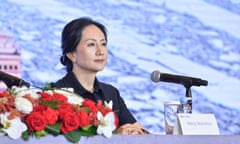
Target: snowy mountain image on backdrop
column 194, row 38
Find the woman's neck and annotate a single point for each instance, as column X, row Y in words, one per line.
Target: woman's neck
column 86, row 79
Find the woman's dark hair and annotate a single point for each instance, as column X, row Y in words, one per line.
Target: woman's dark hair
column 71, row 36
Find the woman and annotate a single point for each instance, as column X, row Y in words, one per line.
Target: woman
column 85, row 52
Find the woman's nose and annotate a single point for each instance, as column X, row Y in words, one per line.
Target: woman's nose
column 99, row 50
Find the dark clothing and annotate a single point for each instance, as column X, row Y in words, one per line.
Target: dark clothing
column 103, row 92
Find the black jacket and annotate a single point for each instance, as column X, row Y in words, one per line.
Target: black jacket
column 102, row 91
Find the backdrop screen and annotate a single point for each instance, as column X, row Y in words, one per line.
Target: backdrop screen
column 199, row 38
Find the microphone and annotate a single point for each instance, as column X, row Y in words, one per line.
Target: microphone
column 10, row 80
column 157, row 76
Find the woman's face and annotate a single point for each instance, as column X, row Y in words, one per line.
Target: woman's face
column 91, row 52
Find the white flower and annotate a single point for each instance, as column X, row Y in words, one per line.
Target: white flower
column 68, row 89
column 108, row 104
column 72, row 97
column 22, row 91
column 14, row 127
column 107, row 124
column 23, row 105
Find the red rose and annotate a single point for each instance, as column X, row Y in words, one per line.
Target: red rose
column 51, row 115
column 60, row 97
column 4, row 93
column 84, row 119
column 93, row 119
column 39, row 109
column 70, row 122
column 65, row 108
column 91, row 104
column 35, row 121
column 46, row 96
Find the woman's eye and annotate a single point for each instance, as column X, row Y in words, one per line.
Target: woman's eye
column 91, row 44
column 104, row 44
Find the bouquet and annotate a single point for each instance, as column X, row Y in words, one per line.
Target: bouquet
column 26, row 112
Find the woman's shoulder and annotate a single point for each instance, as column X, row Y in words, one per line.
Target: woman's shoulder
column 64, row 81
column 106, row 86
column 110, row 92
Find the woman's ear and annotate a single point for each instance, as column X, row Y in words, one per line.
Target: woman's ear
column 71, row 56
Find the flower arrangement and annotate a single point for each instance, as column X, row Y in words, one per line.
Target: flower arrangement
column 26, row 112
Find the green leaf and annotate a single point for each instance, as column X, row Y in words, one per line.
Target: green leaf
column 87, row 127
column 48, row 86
column 1, row 131
column 88, row 131
column 53, row 129
column 86, row 109
column 73, row 136
column 41, row 133
column 26, row 134
column 53, row 103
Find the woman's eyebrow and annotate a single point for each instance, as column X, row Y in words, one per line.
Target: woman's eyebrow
column 95, row 39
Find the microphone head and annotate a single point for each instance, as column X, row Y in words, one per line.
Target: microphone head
column 204, row 82
column 155, row 76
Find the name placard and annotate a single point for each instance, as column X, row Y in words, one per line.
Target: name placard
column 196, row 124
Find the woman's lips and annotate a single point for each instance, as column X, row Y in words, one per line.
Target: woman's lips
column 99, row 60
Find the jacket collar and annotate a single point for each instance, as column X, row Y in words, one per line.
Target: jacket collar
column 76, row 85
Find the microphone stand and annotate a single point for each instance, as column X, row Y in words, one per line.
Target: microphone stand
column 187, row 84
